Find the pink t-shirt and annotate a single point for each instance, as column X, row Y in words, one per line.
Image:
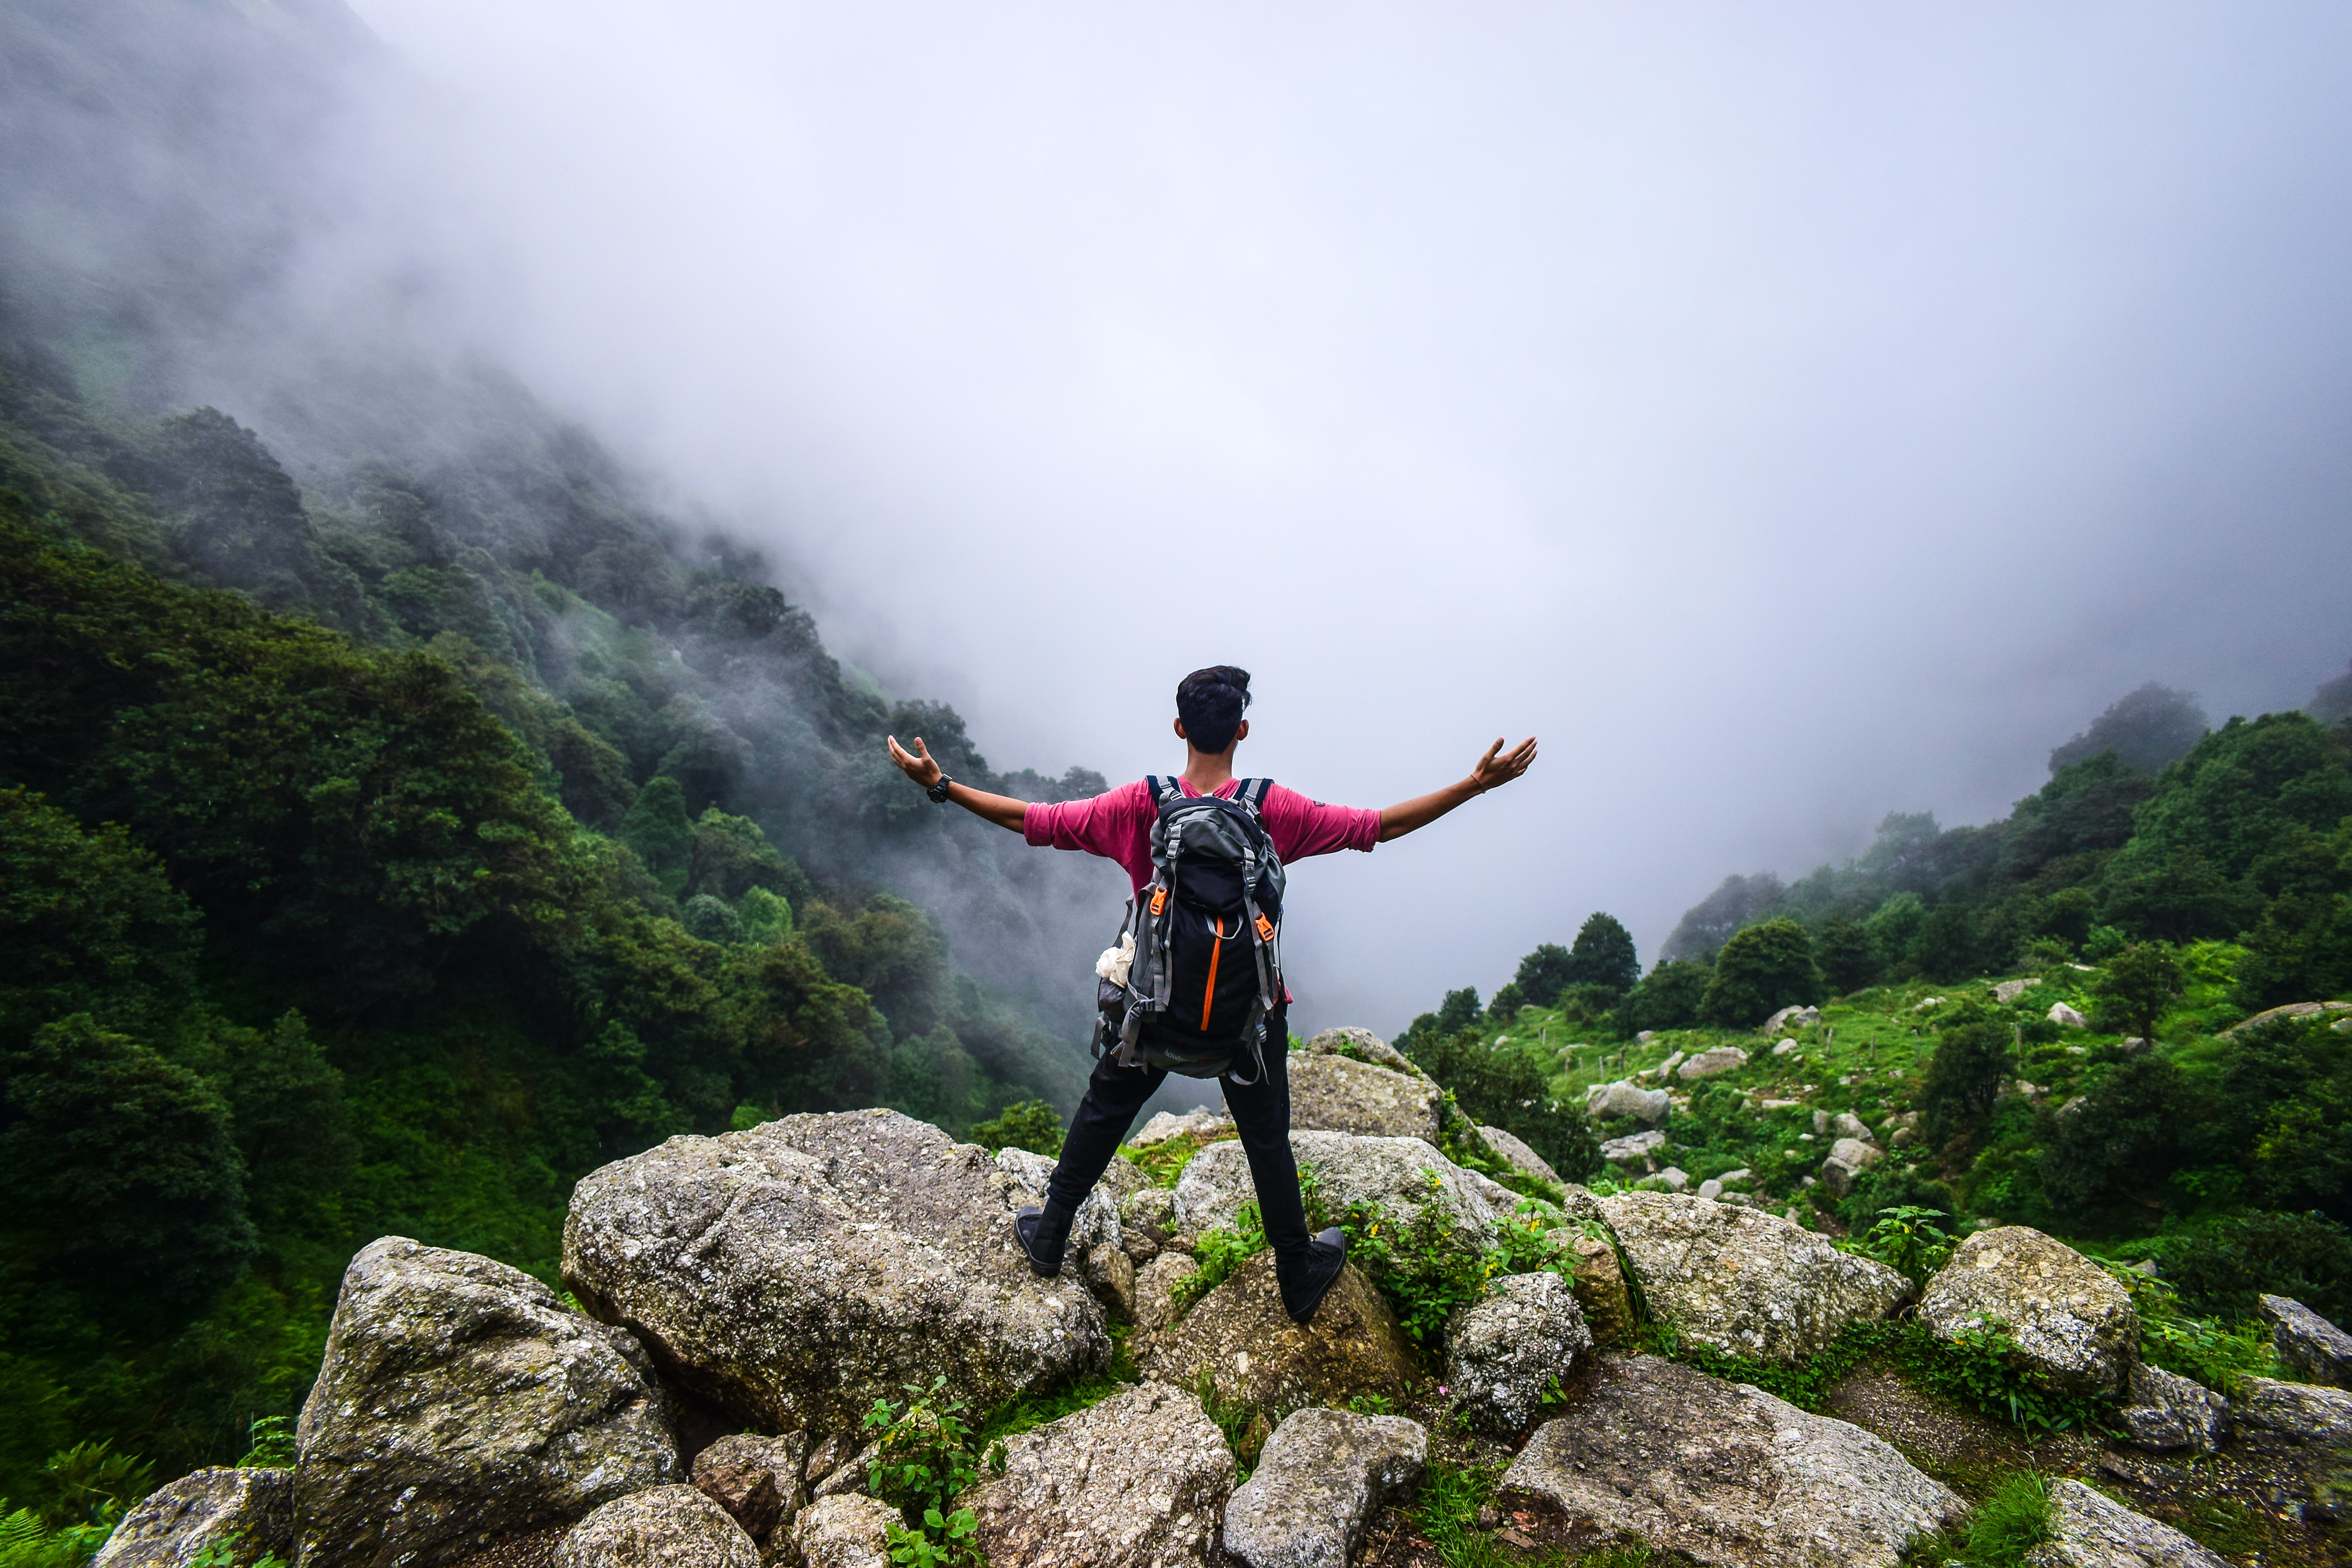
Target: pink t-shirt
column 1117, row 825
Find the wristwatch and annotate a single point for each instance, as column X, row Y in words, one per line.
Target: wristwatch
column 939, row 791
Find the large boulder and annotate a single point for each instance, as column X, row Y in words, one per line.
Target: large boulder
column 2069, row 1319
column 2089, row 1529
column 1713, row 1062
column 846, row 1531
column 1848, row 1158
column 1627, row 1101
column 2308, row 1345
column 1320, row 1480
column 1133, row 1482
column 211, row 1510
column 1658, row 1453
column 1096, row 1223
column 1239, row 1340
column 1634, row 1147
column 1337, row 1094
column 1504, row 1351
column 1514, row 1153
column 1155, row 1290
column 1400, row 1174
column 661, row 1527
column 1742, row 1280
column 2169, row 1412
column 459, row 1402
column 2305, row 1412
column 1362, row 1045
column 760, row 1482
column 797, row 1272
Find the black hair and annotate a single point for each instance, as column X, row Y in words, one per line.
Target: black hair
column 1210, row 702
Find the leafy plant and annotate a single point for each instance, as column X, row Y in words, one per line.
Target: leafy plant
column 1030, row 1124
column 1220, row 1251
column 1164, row 1162
column 925, row 1457
column 269, row 1444
column 1908, row 1239
column 2010, row 1523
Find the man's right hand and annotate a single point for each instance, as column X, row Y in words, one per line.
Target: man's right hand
column 917, row 764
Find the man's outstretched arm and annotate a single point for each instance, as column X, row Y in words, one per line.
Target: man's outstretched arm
column 1000, row 809
column 1497, row 768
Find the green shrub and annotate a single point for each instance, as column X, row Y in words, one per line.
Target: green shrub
column 1963, row 1080
column 2011, row 1522
column 2132, row 992
column 1220, row 1251
column 2219, row 1270
column 1032, row 1124
column 1668, row 998
column 1908, row 1239
column 924, row 1457
column 1763, row 967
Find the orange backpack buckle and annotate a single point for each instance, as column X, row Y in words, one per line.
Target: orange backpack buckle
column 1265, row 929
column 1159, row 900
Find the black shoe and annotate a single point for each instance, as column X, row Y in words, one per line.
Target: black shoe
column 1043, row 1237
column 1326, row 1256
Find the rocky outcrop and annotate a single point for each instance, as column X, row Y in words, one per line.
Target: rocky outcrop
column 795, row 1273
column 2292, row 1010
column 2305, row 1412
column 1133, row 1482
column 2068, row 1017
column 1744, row 1282
column 2308, row 1345
column 1711, row 1063
column 1337, row 1094
column 661, row 1527
column 1634, row 1147
column 1365, row 1045
column 2169, row 1413
column 1514, row 1153
column 762, row 1482
column 208, row 1510
column 459, row 1402
column 1238, row 1336
column 1110, row 1275
column 1505, row 1352
column 1155, row 1290
column 2068, row 1318
column 1659, row 1454
column 846, row 1530
column 1600, row 1292
column 1320, row 1480
column 1199, row 1122
column 2088, row 1529
column 1394, row 1172
column 1627, row 1101
column 1096, row 1223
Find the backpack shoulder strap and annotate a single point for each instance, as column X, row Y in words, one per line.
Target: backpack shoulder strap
column 1250, row 793
column 1162, row 790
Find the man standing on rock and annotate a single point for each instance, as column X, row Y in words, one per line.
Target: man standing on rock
column 1118, row 826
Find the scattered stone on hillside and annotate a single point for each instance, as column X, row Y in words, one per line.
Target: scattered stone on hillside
column 1660, row 1454
column 1320, row 1479
column 794, row 1273
column 1673, row 1179
column 1742, row 1280
column 1363, row 1044
column 1239, row 1337
column 1338, row 1094
column 1394, row 1172
column 1518, row 1156
column 1133, row 1482
column 1783, row 1048
column 1711, row 1189
column 2309, row 1346
column 2091, row 1529
column 1026, row 1171
column 845, row 1532
column 1846, row 1125
column 1709, row 1062
column 1849, row 1157
column 1504, row 1351
column 1199, row 1122
column 1628, row 1101
column 212, row 1510
column 1600, row 1292
column 2066, row 1017
column 1110, row 1275
column 1631, row 1147
column 2169, row 1412
column 660, row 1527
column 458, row 1402
column 1791, row 1019
column 2292, row 1010
column 761, row 1481
column 2066, row 1316
column 1155, row 1289
column 2007, row 991
column 2306, row 1412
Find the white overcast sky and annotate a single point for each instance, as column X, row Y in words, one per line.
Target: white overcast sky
column 1789, row 412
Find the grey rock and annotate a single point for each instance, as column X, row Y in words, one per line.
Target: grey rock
column 2306, row 1412
column 1110, row 1275
column 1711, row 1189
column 1391, row 1171
column 1848, row 1158
column 1711, row 1062
column 661, row 1527
column 458, row 1402
column 1136, row 1481
column 1745, row 1281
column 2067, row 1016
column 1148, row 1211
column 1322, row 1476
column 1362, row 1043
column 1673, row 1178
column 2292, row 1010
column 1337, row 1094
column 845, row 1532
column 794, row 1273
column 760, row 1482
column 1200, row 1122
column 2090, row 1530
column 1239, row 1338
column 2168, row 1412
column 1600, row 1292
column 1155, row 1290
column 1784, row 1047
column 1846, row 1125
column 2067, row 1317
column 204, row 1510
column 2309, row 1346
column 1631, row 1147
column 848, row 1476
column 1796, row 1018
column 1661, row 1454
column 1624, row 1100
column 2007, row 991
column 1503, row 1351
column 1096, row 1223
column 1518, row 1155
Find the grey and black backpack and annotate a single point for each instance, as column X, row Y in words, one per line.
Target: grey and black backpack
column 1207, row 962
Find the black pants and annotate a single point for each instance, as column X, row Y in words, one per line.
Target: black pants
column 1261, row 1113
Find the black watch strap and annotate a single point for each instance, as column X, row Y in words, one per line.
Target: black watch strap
column 939, row 791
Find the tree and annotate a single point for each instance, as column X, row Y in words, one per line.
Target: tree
column 89, row 922
column 1668, row 998
column 1458, row 1011
column 2145, row 729
column 1707, row 925
column 1542, row 973
column 2135, row 988
column 1604, row 955
column 708, row 919
column 1848, row 959
column 1762, row 968
column 1963, row 1079
column 1946, row 947
column 2332, row 704
column 658, row 827
column 1032, row 1124
column 1507, row 1003
column 1504, row 1087
column 2120, row 1140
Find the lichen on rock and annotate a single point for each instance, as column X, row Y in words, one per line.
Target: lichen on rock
column 1318, row 1480
column 2068, row 1318
column 1135, row 1481
column 1238, row 1338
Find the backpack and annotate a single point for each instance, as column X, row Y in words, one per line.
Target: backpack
column 1208, row 965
